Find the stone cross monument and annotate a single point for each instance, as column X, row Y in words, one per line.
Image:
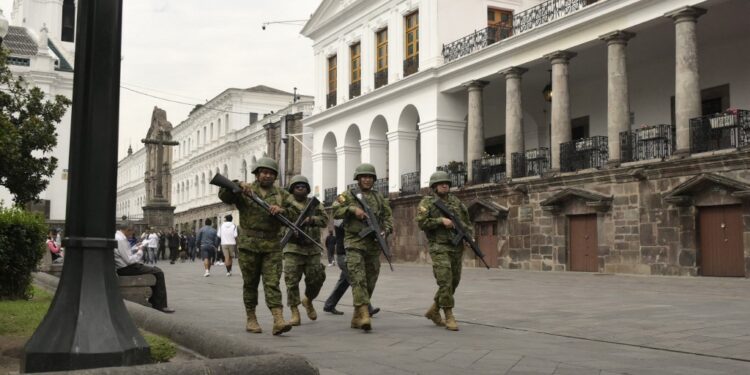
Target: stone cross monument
column 158, row 211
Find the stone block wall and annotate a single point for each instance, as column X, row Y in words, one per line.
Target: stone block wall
column 638, row 230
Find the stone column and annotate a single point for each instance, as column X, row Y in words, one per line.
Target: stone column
column 475, row 124
column 324, row 172
column 375, row 152
column 618, row 105
column 560, row 104
column 687, row 97
column 442, row 142
column 348, row 158
column 513, row 116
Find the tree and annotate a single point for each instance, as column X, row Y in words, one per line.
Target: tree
column 27, row 134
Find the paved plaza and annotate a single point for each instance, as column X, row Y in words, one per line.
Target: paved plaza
column 511, row 322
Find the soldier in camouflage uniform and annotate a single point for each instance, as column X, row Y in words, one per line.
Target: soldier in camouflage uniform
column 300, row 255
column 446, row 258
column 258, row 243
column 362, row 254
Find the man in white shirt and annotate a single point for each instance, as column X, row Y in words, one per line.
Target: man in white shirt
column 228, row 235
column 153, row 244
column 128, row 263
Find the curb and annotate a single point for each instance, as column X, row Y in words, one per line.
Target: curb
column 227, row 355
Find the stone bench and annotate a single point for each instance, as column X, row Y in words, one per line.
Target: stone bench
column 137, row 288
column 132, row 288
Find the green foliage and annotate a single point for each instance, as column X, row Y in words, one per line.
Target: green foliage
column 22, row 245
column 20, row 318
column 162, row 349
column 27, row 133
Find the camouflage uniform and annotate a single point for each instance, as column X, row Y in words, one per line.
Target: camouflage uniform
column 362, row 254
column 258, row 244
column 446, row 258
column 303, row 257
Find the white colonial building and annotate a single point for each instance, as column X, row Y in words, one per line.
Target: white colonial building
column 410, row 85
column 592, row 135
column 41, row 44
column 226, row 135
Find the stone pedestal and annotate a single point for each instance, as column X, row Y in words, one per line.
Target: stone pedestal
column 159, row 216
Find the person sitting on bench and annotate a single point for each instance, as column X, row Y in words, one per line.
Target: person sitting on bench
column 128, row 264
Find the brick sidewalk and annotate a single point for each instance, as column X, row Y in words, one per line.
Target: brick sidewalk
column 512, row 322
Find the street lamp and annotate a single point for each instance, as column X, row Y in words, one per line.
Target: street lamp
column 3, row 26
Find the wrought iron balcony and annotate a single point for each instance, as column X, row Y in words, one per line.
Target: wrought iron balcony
column 329, row 195
column 488, row 169
column 411, row 65
column 650, row 142
column 457, row 172
column 526, row 20
column 410, row 183
column 583, row 153
column 730, row 129
column 331, row 99
column 381, row 78
column 381, row 185
column 355, row 89
column 533, row 162
column 353, row 186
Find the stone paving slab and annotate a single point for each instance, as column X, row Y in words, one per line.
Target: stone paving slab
column 512, row 322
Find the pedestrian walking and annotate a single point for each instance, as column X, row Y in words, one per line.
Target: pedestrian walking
column 228, row 234
column 207, row 241
column 301, row 256
column 173, row 241
column 162, row 245
column 192, row 247
column 153, row 245
column 363, row 254
column 343, row 282
column 446, row 256
column 331, row 248
column 260, row 253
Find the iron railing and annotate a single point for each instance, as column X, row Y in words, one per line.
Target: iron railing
column 488, row 169
column 381, row 185
column 456, row 171
column 354, row 186
column 719, row 131
column 355, row 89
column 331, row 99
column 381, row 78
column 410, row 183
column 329, row 195
column 523, row 21
column 411, row 65
column 533, row 162
column 475, row 41
column 646, row 143
column 583, row 153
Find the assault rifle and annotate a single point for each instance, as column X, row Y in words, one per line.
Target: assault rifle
column 373, row 227
column 226, row 183
column 309, row 209
column 461, row 232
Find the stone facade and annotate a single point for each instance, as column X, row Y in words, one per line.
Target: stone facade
column 646, row 215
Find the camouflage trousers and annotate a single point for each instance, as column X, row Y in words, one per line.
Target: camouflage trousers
column 255, row 265
column 295, row 265
column 364, row 268
column 446, row 266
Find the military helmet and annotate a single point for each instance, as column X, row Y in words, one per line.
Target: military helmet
column 438, row 177
column 365, row 169
column 299, row 179
column 267, row 163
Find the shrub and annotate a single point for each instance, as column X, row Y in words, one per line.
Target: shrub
column 22, row 240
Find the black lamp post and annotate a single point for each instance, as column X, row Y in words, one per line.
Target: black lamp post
column 87, row 325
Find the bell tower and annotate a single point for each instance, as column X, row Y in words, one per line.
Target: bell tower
column 57, row 15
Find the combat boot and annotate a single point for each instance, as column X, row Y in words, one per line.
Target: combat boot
column 356, row 319
column 252, row 322
column 434, row 314
column 295, row 320
column 311, row 313
column 364, row 318
column 279, row 324
column 450, row 320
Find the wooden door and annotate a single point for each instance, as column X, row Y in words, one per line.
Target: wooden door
column 721, row 250
column 584, row 253
column 486, row 236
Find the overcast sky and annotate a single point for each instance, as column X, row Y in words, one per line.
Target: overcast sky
column 192, row 50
